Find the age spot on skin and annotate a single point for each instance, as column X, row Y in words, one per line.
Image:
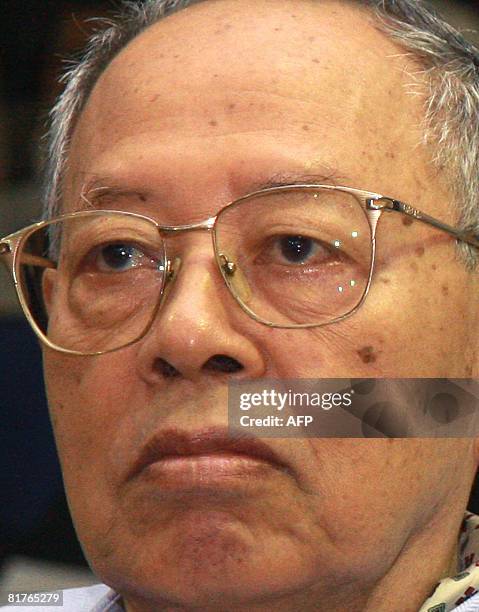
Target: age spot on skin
column 434, row 267
column 213, row 123
column 420, row 251
column 306, row 128
column 445, row 290
column 367, row 354
column 407, row 221
column 315, row 60
column 414, row 266
column 385, row 280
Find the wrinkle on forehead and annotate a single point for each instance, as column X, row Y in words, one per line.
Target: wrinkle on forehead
column 252, row 63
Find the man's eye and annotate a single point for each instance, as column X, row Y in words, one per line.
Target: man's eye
column 118, row 257
column 298, row 250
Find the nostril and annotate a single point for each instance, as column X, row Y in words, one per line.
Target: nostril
column 223, row 363
column 165, row 369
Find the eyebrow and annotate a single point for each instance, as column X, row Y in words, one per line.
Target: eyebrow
column 94, row 191
column 293, row 178
column 98, row 188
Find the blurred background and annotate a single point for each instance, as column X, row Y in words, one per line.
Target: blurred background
column 38, row 548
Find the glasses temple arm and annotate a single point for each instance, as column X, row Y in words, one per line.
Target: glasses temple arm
column 27, row 258
column 35, row 260
column 389, row 204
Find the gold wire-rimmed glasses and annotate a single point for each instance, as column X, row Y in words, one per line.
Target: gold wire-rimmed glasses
column 294, row 256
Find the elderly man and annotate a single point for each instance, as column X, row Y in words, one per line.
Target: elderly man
column 351, row 128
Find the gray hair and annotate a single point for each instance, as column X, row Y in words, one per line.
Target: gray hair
column 450, row 65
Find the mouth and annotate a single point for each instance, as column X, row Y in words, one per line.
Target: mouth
column 180, row 459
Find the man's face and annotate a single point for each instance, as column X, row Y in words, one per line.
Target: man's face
column 197, row 110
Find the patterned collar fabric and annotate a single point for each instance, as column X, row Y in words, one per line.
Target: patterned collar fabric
column 452, row 592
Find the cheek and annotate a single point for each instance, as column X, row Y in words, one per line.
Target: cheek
column 353, row 348
column 87, row 397
column 379, row 488
column 89, row 400
column 426, row 312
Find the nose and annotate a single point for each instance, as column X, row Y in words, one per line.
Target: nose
column 199, row 331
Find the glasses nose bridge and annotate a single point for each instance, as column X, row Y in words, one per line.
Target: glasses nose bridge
column 173, row 265
column 206, row 225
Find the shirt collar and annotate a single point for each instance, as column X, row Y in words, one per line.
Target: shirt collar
column 455, row 590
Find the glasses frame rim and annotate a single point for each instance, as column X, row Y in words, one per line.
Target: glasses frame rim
column 372, row 203
column 372, row 217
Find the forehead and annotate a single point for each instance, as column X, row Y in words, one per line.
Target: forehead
column 230, row 84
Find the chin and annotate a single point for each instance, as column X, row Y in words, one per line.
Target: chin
column 215, row 570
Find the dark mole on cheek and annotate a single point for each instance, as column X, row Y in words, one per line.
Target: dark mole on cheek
column 407, row 221
column 433, row 267
column 386, row 281
column 445, row 290
column 213, row 123
column 306, row 128
column 419, row 251
column 367, row 354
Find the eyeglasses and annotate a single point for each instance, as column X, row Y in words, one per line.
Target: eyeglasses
column 295, row 256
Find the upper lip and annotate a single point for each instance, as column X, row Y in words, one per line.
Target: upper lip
column 174, row 442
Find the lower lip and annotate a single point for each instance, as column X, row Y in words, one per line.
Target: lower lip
column 205, row 471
